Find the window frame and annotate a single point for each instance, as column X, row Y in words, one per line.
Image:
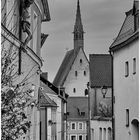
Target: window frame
column 134, row 65
column 76, row 73
column 73, row 135
column 127, row 117
column 74, row 90
column 79, row 125
column 81, row 61
column 85, row 73
column 126, row 69
column 79, row 136
column 74, row 124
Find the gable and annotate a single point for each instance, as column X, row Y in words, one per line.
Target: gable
column 66, row 65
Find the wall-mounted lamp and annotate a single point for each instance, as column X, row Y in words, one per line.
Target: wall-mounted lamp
column 104, row 90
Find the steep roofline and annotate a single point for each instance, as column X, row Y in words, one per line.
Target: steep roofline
column 111, row 46
column 132, row 38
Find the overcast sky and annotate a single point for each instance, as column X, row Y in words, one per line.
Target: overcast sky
column 101, row 20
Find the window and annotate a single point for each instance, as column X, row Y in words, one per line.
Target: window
column 74, row 90
column 76, row 73
column 84, row 73
column 73, row 137
column 86, row 137
column 100, row 133
column 126, row 69
column 92, row 134
column 82, row 113
column 134, row 65
column 127, row 117
column 80, row 61
column 80, row 137
column 104, row 134
column 109, row 134
column 80, row 126
column 73, row 126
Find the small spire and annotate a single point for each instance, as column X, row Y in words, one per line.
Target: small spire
column 78, row 23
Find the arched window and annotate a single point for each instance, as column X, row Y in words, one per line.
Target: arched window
column 104, row 134
column 109, row 134
column 100, row 133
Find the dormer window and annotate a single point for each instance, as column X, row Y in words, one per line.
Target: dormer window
column 82, row 113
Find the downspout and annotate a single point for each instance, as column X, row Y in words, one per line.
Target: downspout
column 113, row 97
column 20, row 35
column 46, row 123
column 66, row 121
column 95, row 102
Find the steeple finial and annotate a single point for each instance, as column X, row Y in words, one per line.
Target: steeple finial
column 78, row 23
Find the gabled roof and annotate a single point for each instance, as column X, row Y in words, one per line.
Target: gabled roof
column 100, row 70
column 127, row 31
column 45, row 101
column 75, row 106
column 50, row 88
column 66, row 66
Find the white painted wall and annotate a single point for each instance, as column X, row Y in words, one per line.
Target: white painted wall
column 79, row 82
column 49, row 117
column 57, row 100
column 126, row 90
column 104, row 126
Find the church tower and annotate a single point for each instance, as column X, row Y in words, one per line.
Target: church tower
column 78, row 29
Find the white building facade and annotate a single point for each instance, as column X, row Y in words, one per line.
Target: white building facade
column 125, row 77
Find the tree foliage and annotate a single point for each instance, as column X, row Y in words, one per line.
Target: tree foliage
column 105, row 110
column 15, row 96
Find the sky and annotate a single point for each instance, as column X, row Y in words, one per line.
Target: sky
column 101, row 19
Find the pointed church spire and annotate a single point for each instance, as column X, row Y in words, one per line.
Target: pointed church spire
column 78, row 29
column 78, row 23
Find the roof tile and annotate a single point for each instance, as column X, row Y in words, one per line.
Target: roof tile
column 100, row 70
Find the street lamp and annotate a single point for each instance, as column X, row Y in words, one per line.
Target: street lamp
column 104, row 90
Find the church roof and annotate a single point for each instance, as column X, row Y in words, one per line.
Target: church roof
column 127, row 31
column 70, row 55
column 65, row 67
column 77, row 108
column 100, row 70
